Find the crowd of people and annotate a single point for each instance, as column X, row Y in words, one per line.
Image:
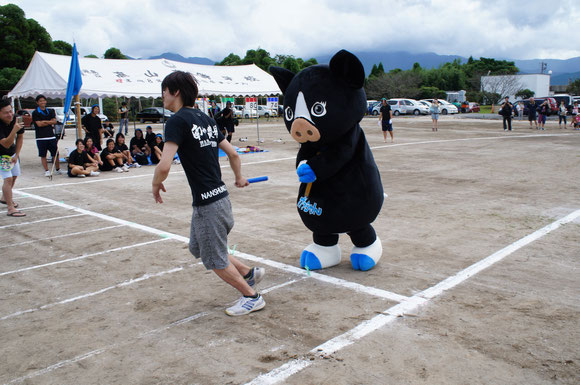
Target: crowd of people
column 537, row 113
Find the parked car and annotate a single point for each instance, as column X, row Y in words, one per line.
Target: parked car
column 60, row 115
column 444, row 106
column 266, row 111
column 473, row 107
column 238, row 111
column 568, row 101
column 370, row 105
column 375, row 108
column 248, row 113
column 26, row 117
column 154, row 114
column 408, row 106
column 539, row 101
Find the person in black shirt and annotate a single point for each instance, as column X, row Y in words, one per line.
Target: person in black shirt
column 150, row 137
column 157, row 149
column 44, row 120
column 93, row 126
column 213, row 110
column 195, row 136
column 386, row 119
column 81, row 164
column 138, row 144
column 228, row 114
column 122, row 146
column 10, row 130
column 506, row 111
column 112, row 158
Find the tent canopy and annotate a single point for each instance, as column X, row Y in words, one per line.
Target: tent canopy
column 47, row 74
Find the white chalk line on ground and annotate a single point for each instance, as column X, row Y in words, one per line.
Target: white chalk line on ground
column 104, row 349
column 40, row 221
column 278, row 265
column 27, row 208
column 99, row 180
column 84, row 256
column 59, row 236
column 411, row 305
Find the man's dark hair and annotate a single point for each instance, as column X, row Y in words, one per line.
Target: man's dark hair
column 5, row 101
column 110, row 141
column 41, row 96
column 124, row 103
column 79, row 141
column 185, row 83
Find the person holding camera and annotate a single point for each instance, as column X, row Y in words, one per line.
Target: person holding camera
column 11, row 139
column 506, row 111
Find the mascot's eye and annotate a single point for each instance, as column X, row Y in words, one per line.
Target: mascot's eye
column 318, row 109
column 289, row 114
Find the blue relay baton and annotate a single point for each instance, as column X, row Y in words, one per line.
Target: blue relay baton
column 258, row 179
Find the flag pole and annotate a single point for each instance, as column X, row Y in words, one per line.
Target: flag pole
column 78, row 114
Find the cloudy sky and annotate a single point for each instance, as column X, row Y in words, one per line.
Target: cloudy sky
column 513, row 29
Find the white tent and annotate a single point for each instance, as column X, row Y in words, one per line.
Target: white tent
column 47, row 74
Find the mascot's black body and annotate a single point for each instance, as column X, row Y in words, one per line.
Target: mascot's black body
column 341, row 190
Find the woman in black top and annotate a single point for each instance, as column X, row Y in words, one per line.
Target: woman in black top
column 157, row 149
column 138, row 144
column 228, row 114
column 122, row 146
column 81, row 164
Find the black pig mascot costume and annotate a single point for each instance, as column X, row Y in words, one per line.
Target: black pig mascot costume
column 341, row 190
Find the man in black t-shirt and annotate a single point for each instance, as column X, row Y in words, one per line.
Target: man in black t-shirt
column 93, row 126
column 196, row 138
column 386, row 119
column 10, row 131
column 44, row 120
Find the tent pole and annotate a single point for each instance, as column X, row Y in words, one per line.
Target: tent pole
column 78, row 113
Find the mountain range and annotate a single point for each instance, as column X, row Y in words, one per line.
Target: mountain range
column 563, row 71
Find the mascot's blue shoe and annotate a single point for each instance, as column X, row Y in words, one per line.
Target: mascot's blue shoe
column 317, row 257
column 365, row 258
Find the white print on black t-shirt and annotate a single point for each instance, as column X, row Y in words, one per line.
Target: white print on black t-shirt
column 213, row 193
column 207, row 136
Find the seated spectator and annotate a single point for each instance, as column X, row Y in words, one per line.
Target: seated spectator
column 150, row 137
column 112, row 158
column 138, row 144
column 92, row 150
column 121, row 146
column 157, row 149
column 80, row 163
column 108, row 130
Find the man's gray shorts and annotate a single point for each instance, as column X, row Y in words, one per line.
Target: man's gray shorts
column 210, row 226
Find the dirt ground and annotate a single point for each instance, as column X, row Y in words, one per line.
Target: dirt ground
column 97, row 285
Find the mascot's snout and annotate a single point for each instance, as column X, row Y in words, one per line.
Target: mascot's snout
column 303, row 131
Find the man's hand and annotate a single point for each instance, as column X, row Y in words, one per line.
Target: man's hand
column 241, row 182
column 157, row 188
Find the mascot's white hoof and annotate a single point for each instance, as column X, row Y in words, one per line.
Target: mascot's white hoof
column 315, row 257
column 365, row 258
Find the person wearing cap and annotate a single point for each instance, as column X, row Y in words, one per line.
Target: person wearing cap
column 93, row 126
column 386, row 119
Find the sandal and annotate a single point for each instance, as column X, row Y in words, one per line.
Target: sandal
column 4, row 203
column 16, row 214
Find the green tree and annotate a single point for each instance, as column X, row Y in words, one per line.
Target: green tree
column 310, row 62
column 231, row 60
column 92, row 56
column 574, row 87
column 39, row 39
column 62, row 48
column 9, row 77
column 114, row 53
column 524, row 94
column 16, row 49
column 259, row 57
column 291, row 64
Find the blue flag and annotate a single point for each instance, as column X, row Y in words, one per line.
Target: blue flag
column 75, row 82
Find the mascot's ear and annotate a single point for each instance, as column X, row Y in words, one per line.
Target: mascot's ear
column 346, row 66
column 282, row 76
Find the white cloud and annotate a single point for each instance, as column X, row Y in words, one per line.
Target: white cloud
column 518, row 30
